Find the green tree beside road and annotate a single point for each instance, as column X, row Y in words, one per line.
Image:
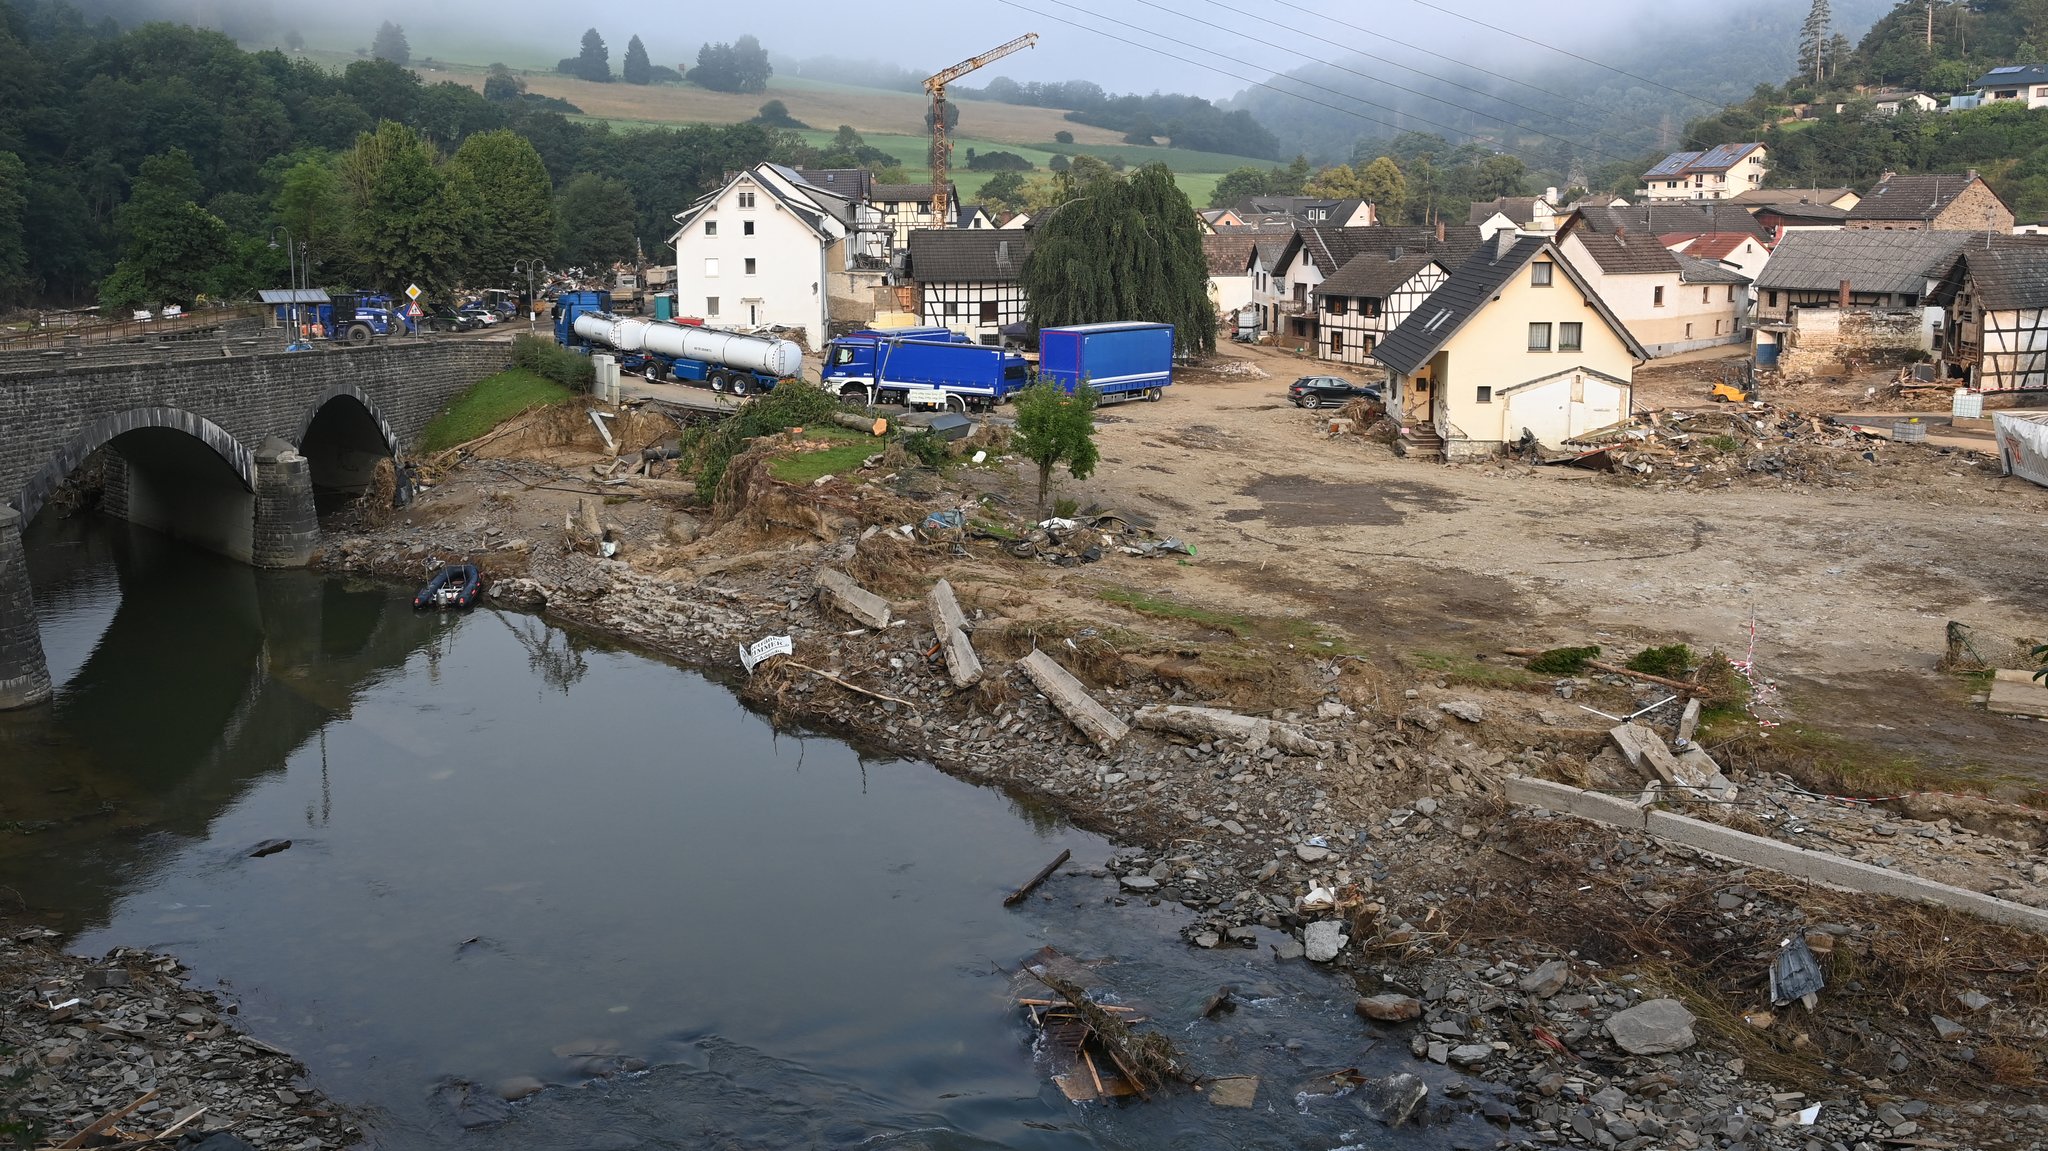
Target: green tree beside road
column 515, row 203
column 595, row 227
column 1055, row 428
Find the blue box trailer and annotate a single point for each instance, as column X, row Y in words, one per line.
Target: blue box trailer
column 966, row 375
column 1121, row 361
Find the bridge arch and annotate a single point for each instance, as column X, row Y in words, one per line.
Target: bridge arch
column 134, row 422
column 342, row 435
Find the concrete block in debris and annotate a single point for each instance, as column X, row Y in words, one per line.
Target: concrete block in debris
column 1215, row 723
column 1073, row 701
column 1644, row 750
column 842, row 593
column 1608, row 809
column 950, row 627
column 2017, row 693
column 1837, row 871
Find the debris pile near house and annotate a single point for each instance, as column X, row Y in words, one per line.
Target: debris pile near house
column 1758, row 443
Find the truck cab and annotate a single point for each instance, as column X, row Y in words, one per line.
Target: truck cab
column 851, row 360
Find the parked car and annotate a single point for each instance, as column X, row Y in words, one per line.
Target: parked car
column 450, row 321
column 480, row 314
column 1316, row 391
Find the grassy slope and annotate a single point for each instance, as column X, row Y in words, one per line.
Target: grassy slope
column 887, row 120
column 490, row 403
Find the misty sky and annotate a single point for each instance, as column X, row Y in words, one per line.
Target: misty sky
column 929, row 34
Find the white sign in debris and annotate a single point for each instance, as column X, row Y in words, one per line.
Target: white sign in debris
column 752, row 655
column 926, row 398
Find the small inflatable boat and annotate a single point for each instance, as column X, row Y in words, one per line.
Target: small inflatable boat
column 454, row 586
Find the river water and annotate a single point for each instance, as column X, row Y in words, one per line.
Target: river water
column 519, row 852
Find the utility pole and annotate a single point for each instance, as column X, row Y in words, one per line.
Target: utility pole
column 1930, row 25
column 528, row 265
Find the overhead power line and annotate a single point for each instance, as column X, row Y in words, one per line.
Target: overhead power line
column 1567, row 52
column 1291, row 79
column 1496, row 118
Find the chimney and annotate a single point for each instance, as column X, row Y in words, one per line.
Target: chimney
column 1394, row 254
column 1550, row 196
column 1973, row 173
column 1439, row 231
column 1503, row 243
column 1842, row 296
column 1887, row 176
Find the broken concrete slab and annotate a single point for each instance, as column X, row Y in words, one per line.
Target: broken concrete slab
column 1695, row 773
column 1214, row 723
column 1073, row 701
column 1689, row 721
column 950, row 627
column 852, row 599
column 2017, row 693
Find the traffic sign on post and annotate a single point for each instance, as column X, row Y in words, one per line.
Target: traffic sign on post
column 414, row 311
column 413, row 293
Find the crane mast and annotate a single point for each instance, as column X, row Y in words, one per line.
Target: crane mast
column 942, row 142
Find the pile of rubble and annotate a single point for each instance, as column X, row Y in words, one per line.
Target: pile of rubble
column 1755, row 442
column 121, row 1047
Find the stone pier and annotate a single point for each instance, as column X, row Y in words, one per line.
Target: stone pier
column 286, row 530
column 24, row 676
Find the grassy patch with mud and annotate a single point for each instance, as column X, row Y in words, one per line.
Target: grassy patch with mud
column 847, row 451
column 490, row 403
column 1470, row 671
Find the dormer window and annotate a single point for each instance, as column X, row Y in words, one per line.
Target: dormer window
column 746, row 199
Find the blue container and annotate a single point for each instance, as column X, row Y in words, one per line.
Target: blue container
column 1124, row 360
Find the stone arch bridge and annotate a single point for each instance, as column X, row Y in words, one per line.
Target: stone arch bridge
column 226, row 451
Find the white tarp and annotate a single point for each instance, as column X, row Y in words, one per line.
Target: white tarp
column 2023, row 444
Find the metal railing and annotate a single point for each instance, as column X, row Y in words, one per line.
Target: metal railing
column 189, row 324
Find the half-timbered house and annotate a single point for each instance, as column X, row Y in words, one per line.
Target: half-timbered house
column 1996, row 330
column 1369, row 297
column 908, row 207
column 969, row 280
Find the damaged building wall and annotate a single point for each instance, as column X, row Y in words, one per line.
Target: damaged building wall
column 1820, row 339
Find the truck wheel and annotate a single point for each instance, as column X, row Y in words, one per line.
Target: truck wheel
column 717, row 382
column 740, row 386
column 1154, row 395
column 854, row 392
column 359, row 333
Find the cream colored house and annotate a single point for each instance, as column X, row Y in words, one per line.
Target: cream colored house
column 1670, row 302
column 1515, row 340
column 1716, row 174
column 908, row 207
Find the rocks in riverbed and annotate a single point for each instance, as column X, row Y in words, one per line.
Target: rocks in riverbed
column 1323, row 940
column 1655, row 1027
column 1390, row 1008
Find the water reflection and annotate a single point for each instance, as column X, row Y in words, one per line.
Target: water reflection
column 513, row 847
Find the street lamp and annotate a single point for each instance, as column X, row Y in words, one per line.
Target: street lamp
column 295, row 342
column 529, row 266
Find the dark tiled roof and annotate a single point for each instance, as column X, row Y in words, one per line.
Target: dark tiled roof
column 2008, row 271
column 1373, row 276
column 2013, row 74
column 1872, row 261
column 853, row 183
column 1822, row 197
column 1693, row 270
column 900, row 192
column 1520, row 209
column 1688, row 217
column 948, row 254
column 1918, row 198
column 1229, row 253
column 1332, row 248
column 1804, row 213
column 1619, row 249
column 1471, row 286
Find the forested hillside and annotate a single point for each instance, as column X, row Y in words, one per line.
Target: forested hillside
column 1852, row 147
column 173, row 157
column 1571, row 122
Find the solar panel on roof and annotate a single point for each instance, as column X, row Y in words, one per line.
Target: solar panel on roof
column 2006, row 69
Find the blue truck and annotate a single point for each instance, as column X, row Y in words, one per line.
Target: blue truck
column 1121, row 361
column 722, row 361
column 922, row 367
column 348, row 316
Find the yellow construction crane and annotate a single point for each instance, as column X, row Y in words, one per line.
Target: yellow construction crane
column 942, row 143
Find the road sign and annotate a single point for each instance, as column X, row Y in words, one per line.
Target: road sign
column 414, row 311
column 413, row 293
